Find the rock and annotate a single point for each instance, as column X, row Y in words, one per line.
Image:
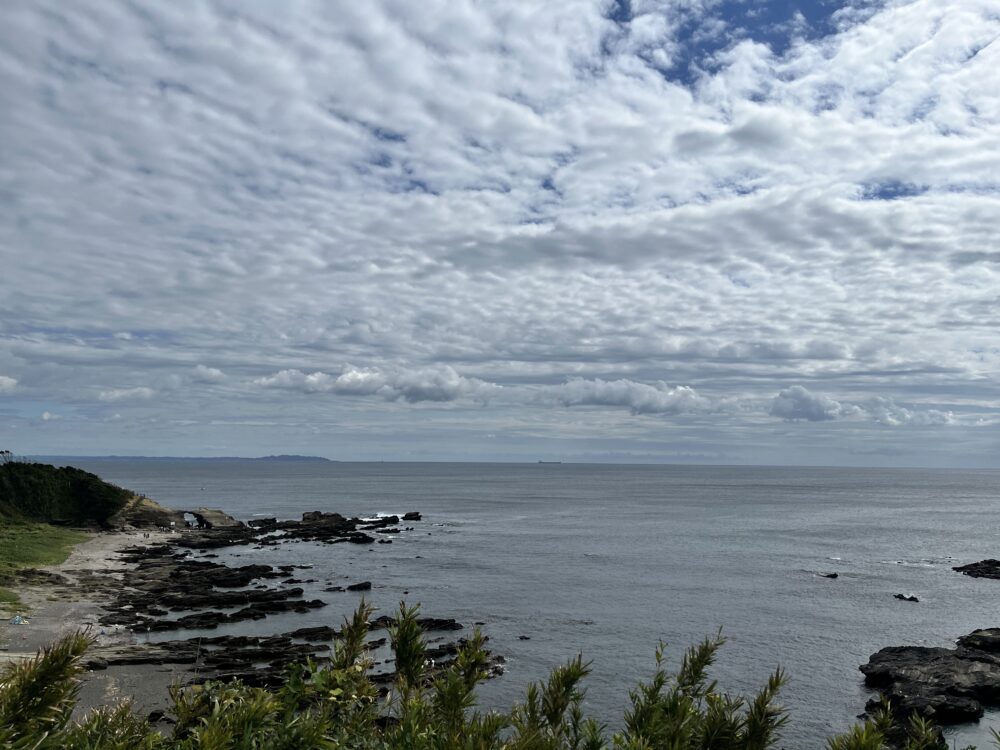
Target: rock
column 214, row 537
column 363, row 586
column 828, row 575
column 143, row 513
column 982, row 569
column 320, row 633
column 411, row 516
column 947, row 685
column 906, row 598
column 524, row 638
column 987, row 639
column 213, row 518
column 380, row 523
column 426, row 623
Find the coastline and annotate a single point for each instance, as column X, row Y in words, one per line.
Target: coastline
column 120, row 583
column 108, row 575
column 76, row 602
column 58, row 609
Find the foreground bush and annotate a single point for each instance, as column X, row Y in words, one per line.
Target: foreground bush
column 335, row 704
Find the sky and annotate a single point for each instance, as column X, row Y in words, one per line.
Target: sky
column 683, row 231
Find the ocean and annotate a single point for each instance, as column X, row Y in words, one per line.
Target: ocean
column 608, row 560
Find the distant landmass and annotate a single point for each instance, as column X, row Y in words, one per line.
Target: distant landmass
column 292, row 457
column 283, row 457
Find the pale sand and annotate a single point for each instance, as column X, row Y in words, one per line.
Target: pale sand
column 51, row 618
column 147, row 686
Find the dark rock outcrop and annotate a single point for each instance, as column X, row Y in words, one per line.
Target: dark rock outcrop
column 260, row 661
column 427, row 623
column 947, row 685
column 161, row 581
column 982, row 569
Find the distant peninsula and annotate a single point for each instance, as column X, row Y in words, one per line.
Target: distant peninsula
column 282, row 457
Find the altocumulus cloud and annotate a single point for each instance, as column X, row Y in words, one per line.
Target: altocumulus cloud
column 600, row 210
column 126, row 394
column 639, row 398
column 203, row 374
column 799, row 404
column 422, row 384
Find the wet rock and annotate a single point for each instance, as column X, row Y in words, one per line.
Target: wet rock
column 380, row 523
column 427, row 623
column 363, row 586
column 828, row 575
column 906, row 597
column 411, row 516
column 320, row 633
column 982, row 569
column 947, row 685
column 986, row 640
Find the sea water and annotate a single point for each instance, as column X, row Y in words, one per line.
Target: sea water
column 609, row 560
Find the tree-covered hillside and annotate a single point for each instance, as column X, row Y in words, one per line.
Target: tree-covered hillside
column 64, row 495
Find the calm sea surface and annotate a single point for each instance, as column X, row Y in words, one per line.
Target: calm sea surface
column 608, row 560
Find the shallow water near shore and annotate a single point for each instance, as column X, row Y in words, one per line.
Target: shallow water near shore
column 608, row 560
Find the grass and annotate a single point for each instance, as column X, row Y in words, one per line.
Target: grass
column 31, row 545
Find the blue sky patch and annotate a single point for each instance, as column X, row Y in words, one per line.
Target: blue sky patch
column 890, row 190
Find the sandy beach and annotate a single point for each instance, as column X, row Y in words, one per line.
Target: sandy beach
column 54, row 611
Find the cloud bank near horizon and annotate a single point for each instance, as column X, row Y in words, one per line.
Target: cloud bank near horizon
column 590, row 228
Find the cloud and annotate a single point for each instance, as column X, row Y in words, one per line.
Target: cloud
column 886, row 411
column 798, row 404
column 639, row 398
column 126, row 394
column 7, row 384
column 48, row 416
column 203, row 374
column 317, row 382
column 421, row 384
column 573, row 201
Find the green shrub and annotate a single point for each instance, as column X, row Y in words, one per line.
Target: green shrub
column 335, row 704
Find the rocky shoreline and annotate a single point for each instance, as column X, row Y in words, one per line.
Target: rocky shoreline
column 171, row 584
column 946, row 685
column 175, row 582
